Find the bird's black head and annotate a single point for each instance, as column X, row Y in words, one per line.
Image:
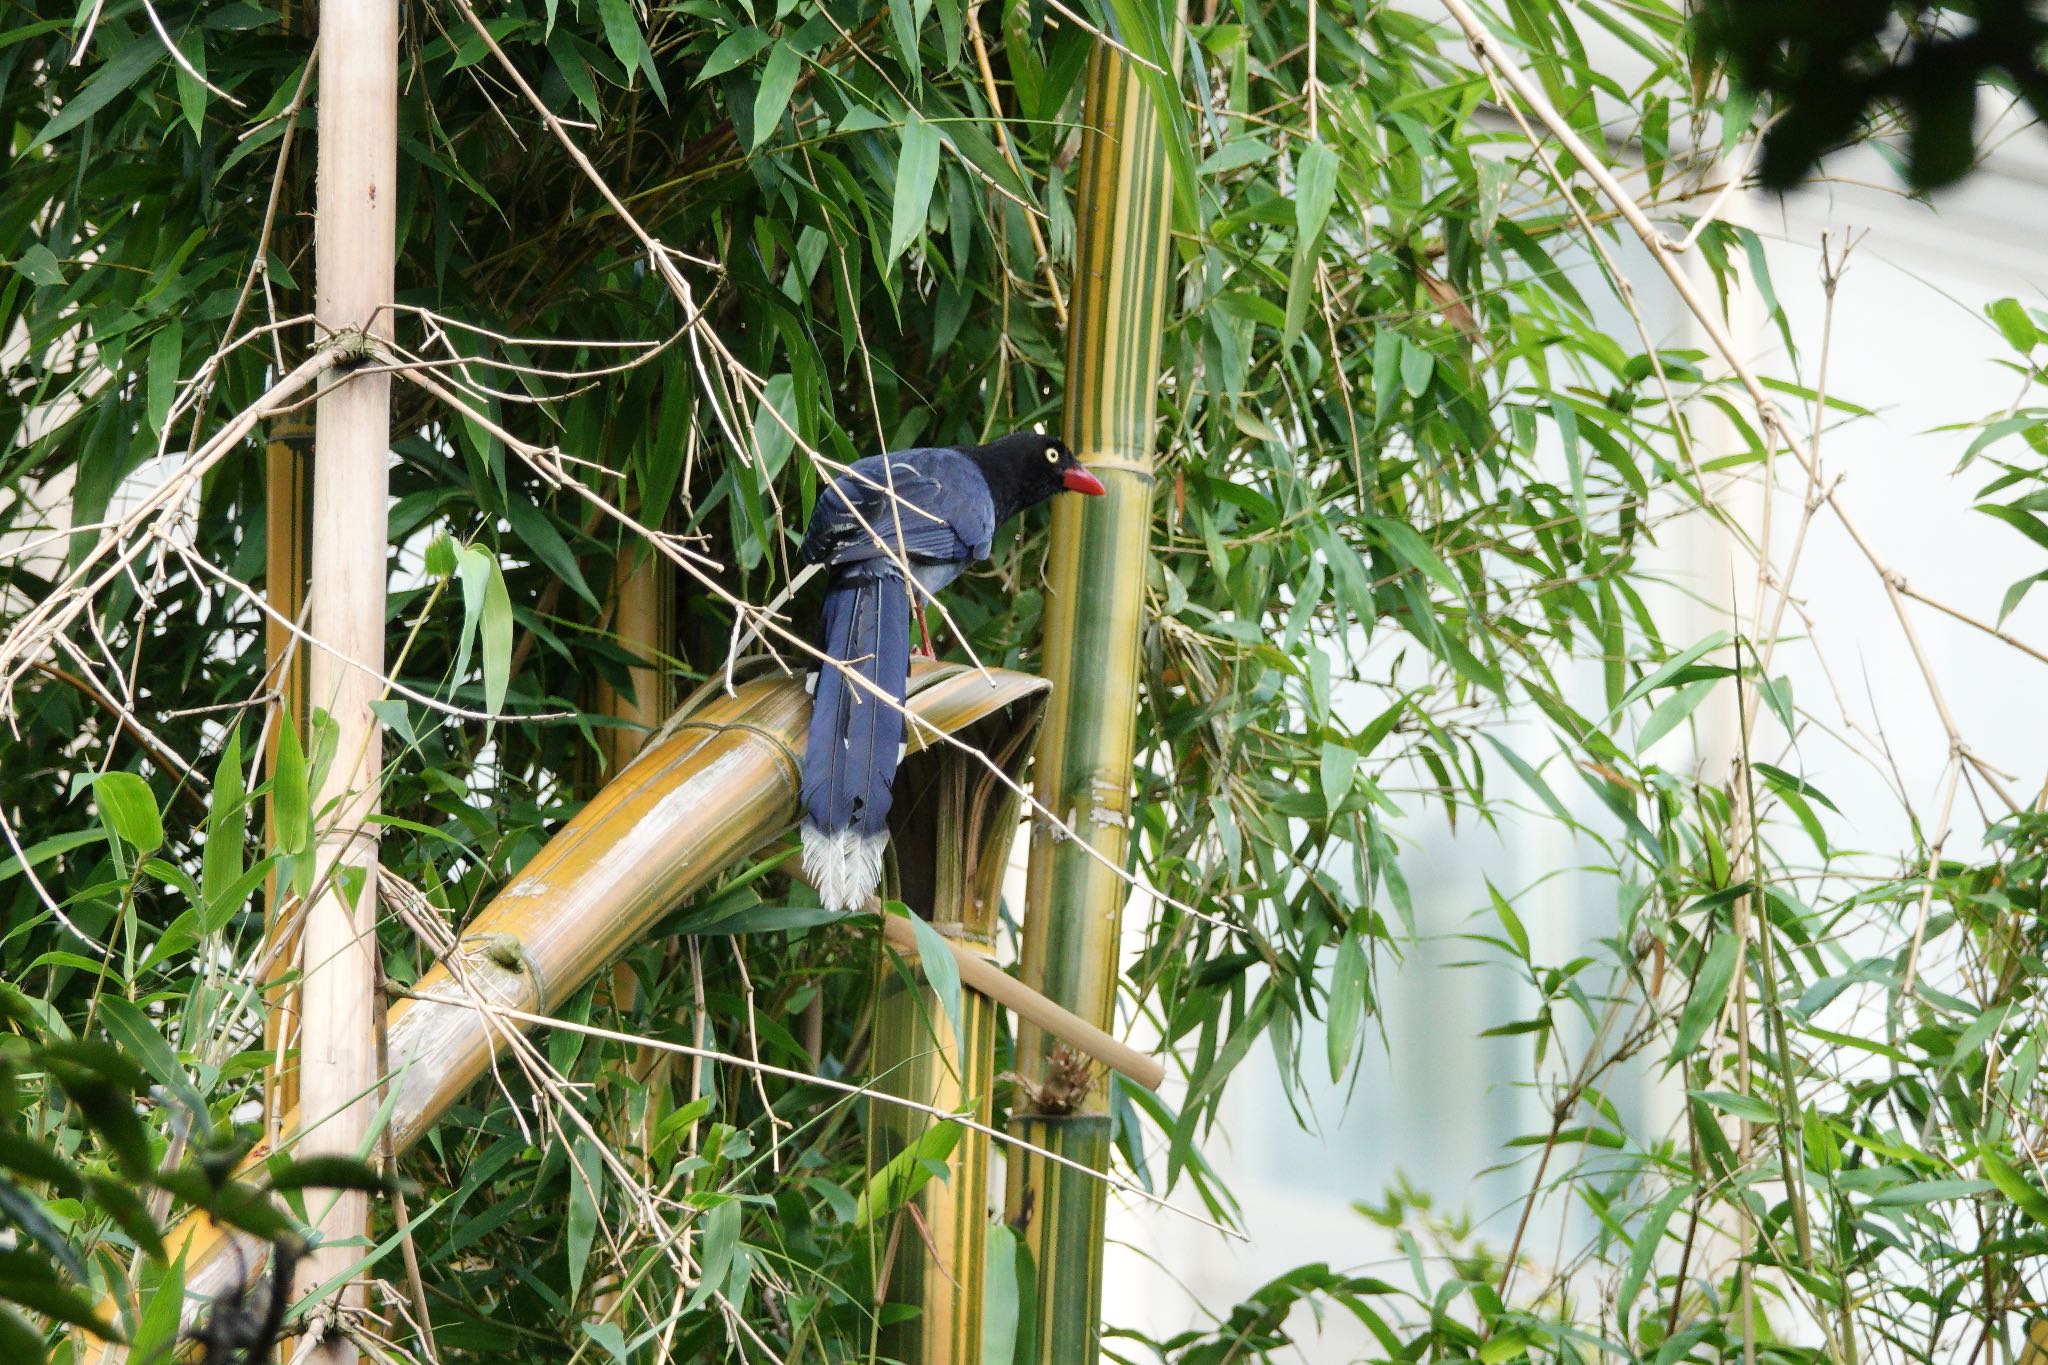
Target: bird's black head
column 1027, row 467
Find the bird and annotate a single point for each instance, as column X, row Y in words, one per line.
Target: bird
column 888, row 533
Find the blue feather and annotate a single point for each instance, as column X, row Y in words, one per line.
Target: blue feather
column 856, row 738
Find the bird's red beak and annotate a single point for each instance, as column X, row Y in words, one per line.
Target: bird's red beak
column 1081, row 481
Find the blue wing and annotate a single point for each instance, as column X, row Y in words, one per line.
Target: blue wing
column 926, row 504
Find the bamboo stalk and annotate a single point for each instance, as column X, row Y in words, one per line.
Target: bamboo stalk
column 951, row 837
column 354, row 245
column 287, row 532
column 287, row 522
column 642, row 620
column 1096, row 573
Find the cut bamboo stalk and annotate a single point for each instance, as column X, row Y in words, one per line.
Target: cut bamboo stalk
column 719, row 781
column 1096, row 578
column 979, row 973
column 354, row 243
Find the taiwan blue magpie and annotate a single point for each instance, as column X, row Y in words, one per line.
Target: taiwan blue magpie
column 890, row 532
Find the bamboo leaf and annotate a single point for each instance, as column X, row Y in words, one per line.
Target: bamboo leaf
column 2013, row 324
column 227, row 828
column 2022, row 1192
column 1347, row 1002
column 771, row 99
column 941, row 972
column 130, row 809
column 734, row 50
column 916, row 173
column 586, row 1179
column 1709, row 990
column 115, row 75
column 497, row 640
column 999, row 1303
column 907, row 1172
column 290, row 793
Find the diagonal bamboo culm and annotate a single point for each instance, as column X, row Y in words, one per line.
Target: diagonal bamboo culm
column 1084, row 757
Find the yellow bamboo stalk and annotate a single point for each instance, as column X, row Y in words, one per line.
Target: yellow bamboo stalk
column 354, row 243
column 951, row 835
column 642, row 620
column 288, row 507
column 1074, row 904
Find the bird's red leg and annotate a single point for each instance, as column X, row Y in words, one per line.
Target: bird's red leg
column 924, row 634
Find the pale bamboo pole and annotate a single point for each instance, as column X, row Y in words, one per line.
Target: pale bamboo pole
column 354, row 244
column 1096, row 573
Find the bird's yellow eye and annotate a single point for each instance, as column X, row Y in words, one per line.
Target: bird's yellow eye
column 1052, row 454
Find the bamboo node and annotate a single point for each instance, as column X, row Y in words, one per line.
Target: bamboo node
column 506, row 951
column 1068, row 1079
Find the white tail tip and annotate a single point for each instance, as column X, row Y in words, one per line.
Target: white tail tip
column 845, row 867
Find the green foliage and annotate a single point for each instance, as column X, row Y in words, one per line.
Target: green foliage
column 1412, row 468
column 1829, row 68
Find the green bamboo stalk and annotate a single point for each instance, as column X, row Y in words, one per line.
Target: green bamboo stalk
column 952, row 840
column 1075, row 901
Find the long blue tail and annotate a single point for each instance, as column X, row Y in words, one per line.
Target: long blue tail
column 855, row 739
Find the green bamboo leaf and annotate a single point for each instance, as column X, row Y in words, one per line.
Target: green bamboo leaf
column 1340, row 764
column 1709, row 989
column 130, row 809
column 227, row 828
column 156, row 1332
column 1672, row 712
column 1347, row 1002
column 115, row 75
column 917, row 171
column 1408, row 546
column 1417, row 365
column 718, row 1241
column 192, row 91
column 999, row 1297
column 734, row 50
column 771, row 99
column 497, row 640
column 907, row 1172
column 291, row 798
column 1386, row 373
column 622, row 33
column 2022, row 1192
column 586, row 1179
column 1643, row 1248
column 43, row 850
column 1920, row 1192
column 1747, row 1107
column 941, row 972
column 39, row 266
column 2013, row 324
column 140, row 1039
column 537, row 530
column 1671, row 668
column 1315, row 189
